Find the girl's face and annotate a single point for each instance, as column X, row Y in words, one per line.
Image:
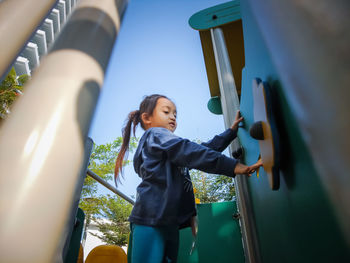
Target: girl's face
column 164, row 115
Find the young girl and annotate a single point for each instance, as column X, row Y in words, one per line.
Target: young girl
column 165, row 200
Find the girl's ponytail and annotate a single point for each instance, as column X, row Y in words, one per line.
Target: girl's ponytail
column 134, row 118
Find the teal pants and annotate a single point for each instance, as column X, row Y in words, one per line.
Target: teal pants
column 153, row 244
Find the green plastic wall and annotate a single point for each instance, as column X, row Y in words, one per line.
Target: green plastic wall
column 219, row 237
column 74, row 244
column 295, row 223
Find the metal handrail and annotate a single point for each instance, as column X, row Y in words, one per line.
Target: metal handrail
column 110, row 187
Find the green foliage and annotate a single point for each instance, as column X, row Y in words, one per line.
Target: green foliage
column 115, row 230
column 203, row 183
column 91, row 207
column 212, row 188
column 10, row 88
column 102, row 162
column 225, row 188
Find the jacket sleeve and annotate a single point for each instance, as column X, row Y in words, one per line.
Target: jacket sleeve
column 221, row 141
column 183, row 152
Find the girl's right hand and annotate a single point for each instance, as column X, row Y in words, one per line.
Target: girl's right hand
column 247, row 170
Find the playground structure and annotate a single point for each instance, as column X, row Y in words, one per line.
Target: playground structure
column 295, row 52
column 275, row 61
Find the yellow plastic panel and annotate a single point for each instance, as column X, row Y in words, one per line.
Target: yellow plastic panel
column 107, row 254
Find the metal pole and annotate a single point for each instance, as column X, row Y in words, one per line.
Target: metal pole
column 42, row 141
column 17, row 25
column 110, row 187
column 230, row 105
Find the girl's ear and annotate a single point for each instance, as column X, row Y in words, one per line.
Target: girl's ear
column 145, row 119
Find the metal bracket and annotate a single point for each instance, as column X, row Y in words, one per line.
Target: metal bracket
column 236, row 216
column 238, row 154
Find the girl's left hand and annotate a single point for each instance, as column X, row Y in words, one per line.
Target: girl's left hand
column 194, row 226
column 236, row 122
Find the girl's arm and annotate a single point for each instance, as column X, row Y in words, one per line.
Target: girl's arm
column 182, row 152
column 221, row 141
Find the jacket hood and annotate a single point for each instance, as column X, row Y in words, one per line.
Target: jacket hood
column 138, row 154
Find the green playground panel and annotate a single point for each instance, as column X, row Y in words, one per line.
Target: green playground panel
column 74, row 244
column 219, row 237
column 216, row 16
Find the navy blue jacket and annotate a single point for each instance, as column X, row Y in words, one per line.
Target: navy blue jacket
column 162, row 160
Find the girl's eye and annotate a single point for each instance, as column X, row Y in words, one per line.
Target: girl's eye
column 166, row 112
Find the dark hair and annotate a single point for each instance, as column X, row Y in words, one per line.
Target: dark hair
column 147, row 106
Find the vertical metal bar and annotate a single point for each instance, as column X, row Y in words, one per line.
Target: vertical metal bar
column 15, row 30
column 42, row 141
column 230, row 105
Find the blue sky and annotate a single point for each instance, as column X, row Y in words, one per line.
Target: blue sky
column 156, row 52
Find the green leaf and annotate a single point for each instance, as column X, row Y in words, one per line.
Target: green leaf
column 22, row 79
column 10, row 89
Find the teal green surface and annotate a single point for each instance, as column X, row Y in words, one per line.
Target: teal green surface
column 74, row 244
column 216, row 16
column 297, row 223
column 219, row 236
column 214, row 105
